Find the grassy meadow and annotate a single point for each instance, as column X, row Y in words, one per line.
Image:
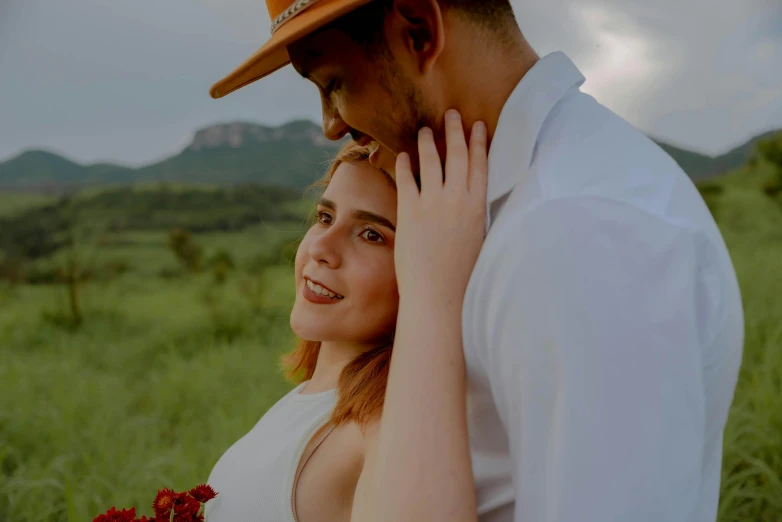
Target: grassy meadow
column 166, row 370
column 14, row 202
column 169, row 367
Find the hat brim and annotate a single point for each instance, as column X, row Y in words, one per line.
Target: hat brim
column 274, row 54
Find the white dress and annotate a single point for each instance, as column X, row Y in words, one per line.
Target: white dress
column 255, row 478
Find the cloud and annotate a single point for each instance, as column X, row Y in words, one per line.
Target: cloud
column 625, row 65
column 245, row 20
column 700, row 73
column 128, row 81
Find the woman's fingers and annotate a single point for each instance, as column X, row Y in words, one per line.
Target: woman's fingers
column 406, row 187
column 465, row 168
column 479, row 161
column 431, row 168
column 457, row 156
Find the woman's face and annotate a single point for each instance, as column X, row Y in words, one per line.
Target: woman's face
column 345, row 281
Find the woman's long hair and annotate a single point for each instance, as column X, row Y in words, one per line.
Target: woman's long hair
column 362, row 383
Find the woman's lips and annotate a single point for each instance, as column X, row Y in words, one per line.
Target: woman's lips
column 317, row 298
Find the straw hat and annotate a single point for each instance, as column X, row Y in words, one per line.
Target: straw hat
column 291, row 20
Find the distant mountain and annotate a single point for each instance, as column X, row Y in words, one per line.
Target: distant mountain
column 292, row 155
column 38, row 169
column 700, row 167
column 289, row 156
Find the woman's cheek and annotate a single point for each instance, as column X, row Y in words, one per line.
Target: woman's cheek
column 387, row 292
column 301, row 256
column 371, row 277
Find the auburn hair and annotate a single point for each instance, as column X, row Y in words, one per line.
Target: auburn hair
column 362, row 384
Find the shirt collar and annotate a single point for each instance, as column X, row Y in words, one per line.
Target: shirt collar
column 522, row 117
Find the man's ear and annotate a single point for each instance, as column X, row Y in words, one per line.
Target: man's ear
column 417, row 30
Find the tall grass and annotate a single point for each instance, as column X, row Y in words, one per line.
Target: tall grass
column 752, row 459
column 147, row 394
column 12, row 203
column 166, row 373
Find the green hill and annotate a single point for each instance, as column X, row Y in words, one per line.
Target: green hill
column 699, row 166
column 42, row 170
column 694, row 164
column 40, row 230
column 292, row 156
column 38, row 167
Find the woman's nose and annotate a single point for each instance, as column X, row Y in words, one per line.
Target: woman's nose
column 325, row 249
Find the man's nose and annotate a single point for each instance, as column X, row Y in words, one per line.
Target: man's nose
column 333, row 126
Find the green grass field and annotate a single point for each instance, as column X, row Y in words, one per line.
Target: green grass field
column 163, row 375
column 166, row 372
column 14, row 202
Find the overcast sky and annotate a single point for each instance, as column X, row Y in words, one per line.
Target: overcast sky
column 128, row 80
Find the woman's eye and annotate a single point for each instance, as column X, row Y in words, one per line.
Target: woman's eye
column 324, row 218
column 331, row 87
column 372, row 236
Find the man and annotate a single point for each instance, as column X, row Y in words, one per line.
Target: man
column 603, row 325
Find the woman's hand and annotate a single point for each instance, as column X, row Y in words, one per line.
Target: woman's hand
column 417, row 467
column 440, row 229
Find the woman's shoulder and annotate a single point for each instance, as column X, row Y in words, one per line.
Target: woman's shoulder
column 285, row 406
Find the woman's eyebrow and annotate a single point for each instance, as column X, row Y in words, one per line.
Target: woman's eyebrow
column 360, row 215
column 363, row 215
column 325, row 202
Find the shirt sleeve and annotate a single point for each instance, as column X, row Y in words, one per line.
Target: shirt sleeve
column 592, row 353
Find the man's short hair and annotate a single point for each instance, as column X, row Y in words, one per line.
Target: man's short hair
column 494, row 14
column 365, row 24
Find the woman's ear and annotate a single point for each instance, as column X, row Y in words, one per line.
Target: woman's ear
column 417, row 28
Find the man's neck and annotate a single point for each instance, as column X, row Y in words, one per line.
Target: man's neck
column 481, row 78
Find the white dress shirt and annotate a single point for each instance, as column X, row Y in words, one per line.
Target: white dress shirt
column 603, row 324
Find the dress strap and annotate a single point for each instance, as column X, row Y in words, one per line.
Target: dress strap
column 325, row 431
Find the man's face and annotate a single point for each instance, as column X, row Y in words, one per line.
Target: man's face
column 363, row 93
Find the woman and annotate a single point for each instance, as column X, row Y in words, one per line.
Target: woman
column 384, row 265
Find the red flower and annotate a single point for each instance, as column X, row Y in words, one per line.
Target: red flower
column 203, row 493
column 112, row 515
column 185, row 508
column 163, row 503
column 168, row 505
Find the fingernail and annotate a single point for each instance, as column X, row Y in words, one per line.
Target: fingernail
column 426, row 131
column 453, row 114
column 403, row 161
column 480, row 129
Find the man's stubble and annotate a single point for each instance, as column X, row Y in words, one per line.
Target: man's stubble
column 408, row 111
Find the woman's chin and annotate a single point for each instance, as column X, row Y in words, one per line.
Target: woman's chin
column 309, row 327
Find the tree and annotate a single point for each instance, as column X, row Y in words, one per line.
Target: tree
column 221, row 263
column 770, row 149
column 80, row 248
column 186, row 250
